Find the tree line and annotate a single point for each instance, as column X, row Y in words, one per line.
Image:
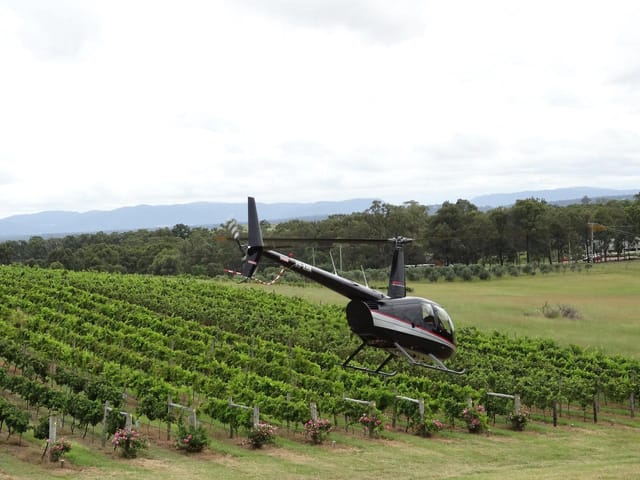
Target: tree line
column 531, row 230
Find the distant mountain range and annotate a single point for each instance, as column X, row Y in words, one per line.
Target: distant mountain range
column 558, row 196
column 59, row 223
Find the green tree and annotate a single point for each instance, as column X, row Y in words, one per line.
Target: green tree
column 166, row 262
column 501, row 238
column 529, row 218
column 454, row 232
column 181, row 231
column 6, row 253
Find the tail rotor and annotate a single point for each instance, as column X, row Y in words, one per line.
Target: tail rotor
column 234, row 229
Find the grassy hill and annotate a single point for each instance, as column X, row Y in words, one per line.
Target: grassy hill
column 203, row 341
column 578, row 451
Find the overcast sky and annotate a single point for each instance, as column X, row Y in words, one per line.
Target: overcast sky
column 108, row 103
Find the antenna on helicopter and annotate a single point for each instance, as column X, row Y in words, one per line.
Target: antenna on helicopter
column 333, row 263
column 364, row 275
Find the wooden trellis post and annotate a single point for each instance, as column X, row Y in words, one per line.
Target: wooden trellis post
column 255, row 408
column 420, row 403
column 517, row 406
column 632, row 399
column 516, row 421
column 371, row 403
column 372, row 407
column 128, row 425
column 193, row 421
column 53, row 424
column 107, row 409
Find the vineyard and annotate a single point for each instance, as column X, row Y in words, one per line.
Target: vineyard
column 72, row 341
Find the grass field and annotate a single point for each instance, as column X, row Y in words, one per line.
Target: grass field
column 574, row 450
column 606, row 297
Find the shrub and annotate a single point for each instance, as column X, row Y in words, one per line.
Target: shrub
column 498, row 271
column 129, row 442
column 433, row 274
column 57, row 449
column 567, row 311
column 449, row 274
column 466, row 274
column 549, row 312
column 429, row 427
column 317, row 431
column 546, row 268
column 476, row 268
column 529, row 269
column 476, row 419
column 191, row 439
column 519, row 420
column 372, row 422
column 262, row 434
column 484, row 274
column 564, row 311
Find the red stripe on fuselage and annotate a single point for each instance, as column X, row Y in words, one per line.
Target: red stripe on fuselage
column 426, row 330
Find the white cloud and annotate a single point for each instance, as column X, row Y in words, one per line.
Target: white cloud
column 376, row 20
column 57, row 30
column 111, row 103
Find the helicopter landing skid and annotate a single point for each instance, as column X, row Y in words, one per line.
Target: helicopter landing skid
column 439, row 366
column 379, row 371
column 437, row 363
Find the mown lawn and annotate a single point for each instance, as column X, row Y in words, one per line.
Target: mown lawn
column 574, row 450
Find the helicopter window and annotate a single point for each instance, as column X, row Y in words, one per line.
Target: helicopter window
column 443, row 319
column 428, row 315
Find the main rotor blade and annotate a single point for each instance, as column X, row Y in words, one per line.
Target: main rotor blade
column 327, row 239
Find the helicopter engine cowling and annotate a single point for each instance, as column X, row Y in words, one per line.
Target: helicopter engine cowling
column 359, row 318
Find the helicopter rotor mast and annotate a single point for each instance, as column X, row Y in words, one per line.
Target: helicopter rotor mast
column 397, row 283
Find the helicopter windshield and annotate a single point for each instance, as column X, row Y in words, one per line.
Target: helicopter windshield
column 437, row 318
column 428, row 315
column 444, row 320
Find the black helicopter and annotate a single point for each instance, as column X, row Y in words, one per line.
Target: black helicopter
column 412, row 328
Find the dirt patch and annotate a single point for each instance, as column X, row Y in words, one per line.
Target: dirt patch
column 168, row 469
column 24, row 451
column 392, row 443
column 334, row 446
column 210, row 455
column 32, row 455
column 291, row 456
